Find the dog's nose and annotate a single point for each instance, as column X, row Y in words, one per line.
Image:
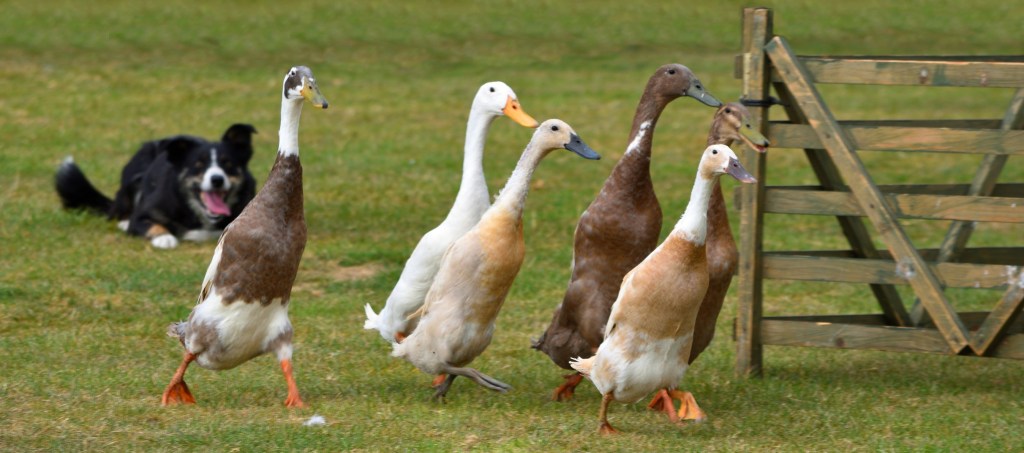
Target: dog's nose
column 217, row 181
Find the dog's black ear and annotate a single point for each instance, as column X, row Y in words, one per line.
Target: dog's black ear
column 239, row 134
column 178, row 148
column 239, row 137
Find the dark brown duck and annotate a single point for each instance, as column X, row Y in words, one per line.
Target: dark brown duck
column 619, row 228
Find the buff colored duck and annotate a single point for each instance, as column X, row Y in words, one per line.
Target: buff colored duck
column 731, row 125
column 492, row 100
column 457, row 319
column 649, row 333
column 619, row 228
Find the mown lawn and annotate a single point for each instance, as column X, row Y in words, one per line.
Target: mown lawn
column 83, row 308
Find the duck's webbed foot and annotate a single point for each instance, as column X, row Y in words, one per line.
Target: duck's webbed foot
column 293, row 400
column 688, row 408
column 662, row 402
column 177, row 391
column 565, row 391
column 605, row 428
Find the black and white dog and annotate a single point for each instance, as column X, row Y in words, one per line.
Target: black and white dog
column 178, row 187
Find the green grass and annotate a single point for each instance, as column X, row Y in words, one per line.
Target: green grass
column 83, row 308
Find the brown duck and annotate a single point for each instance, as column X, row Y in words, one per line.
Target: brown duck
column 243, row 305
column 618, row 230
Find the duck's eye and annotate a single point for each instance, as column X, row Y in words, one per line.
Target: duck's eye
column 554, row 128
column 492, row 89
column 671, row 71
column 728, row 110
column 714, row 151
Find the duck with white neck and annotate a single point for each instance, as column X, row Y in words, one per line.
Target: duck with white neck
column 650, row 330
column 456, row 322
column 493, row 99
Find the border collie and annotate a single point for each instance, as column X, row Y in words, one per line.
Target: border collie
column 178, row 187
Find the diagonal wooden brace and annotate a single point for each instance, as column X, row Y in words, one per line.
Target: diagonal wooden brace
column 924, row 282
column 983, row 184
column 1002, row 316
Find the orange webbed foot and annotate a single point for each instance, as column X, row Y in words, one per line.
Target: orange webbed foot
column 177, row 393
column 606, row 429
column 662, row 402
column 688, row 408
column 294, row 402
column 566, row 391
column 400, row 337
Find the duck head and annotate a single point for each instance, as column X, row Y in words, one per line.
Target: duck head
column 675, row 80
column 721, row 160
column 732, row 121
column 497, row 98
column 557, row 134
column 299, row 84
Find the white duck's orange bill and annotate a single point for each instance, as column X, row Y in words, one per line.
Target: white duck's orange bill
column 514, row 111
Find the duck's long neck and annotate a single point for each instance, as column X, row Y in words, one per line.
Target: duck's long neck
column 718, row 215
column 693, row 225
column 288, row 134
column 633, row 171
column 513, row 196
column 473, row 188
column 644, row 120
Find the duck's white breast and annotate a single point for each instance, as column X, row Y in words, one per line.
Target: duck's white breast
column 242, row 330
column 632, row 365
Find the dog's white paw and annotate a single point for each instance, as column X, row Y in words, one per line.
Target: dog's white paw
column 122, row 225
column 202, row 235
column 165, row 241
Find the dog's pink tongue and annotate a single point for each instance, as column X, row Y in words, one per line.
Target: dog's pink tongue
column 215, row 203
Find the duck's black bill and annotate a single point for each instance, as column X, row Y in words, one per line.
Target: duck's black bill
column 577, row 146
column 737, row 171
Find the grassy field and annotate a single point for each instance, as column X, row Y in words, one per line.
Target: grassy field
column 83, row 308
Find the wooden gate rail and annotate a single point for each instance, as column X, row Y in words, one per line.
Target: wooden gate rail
column 847, row 191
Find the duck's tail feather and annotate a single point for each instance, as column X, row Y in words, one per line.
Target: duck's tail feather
column 582, row 365
column 372, row 319
column 176, row 330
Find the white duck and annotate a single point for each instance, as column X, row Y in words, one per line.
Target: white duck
column 492, row 100
column 457, row 319
column 649, row 333
column 243, row 305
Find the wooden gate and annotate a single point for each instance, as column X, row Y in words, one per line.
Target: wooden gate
column 849, row 193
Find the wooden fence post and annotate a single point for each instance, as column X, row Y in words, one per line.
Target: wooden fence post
column 757, row 30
